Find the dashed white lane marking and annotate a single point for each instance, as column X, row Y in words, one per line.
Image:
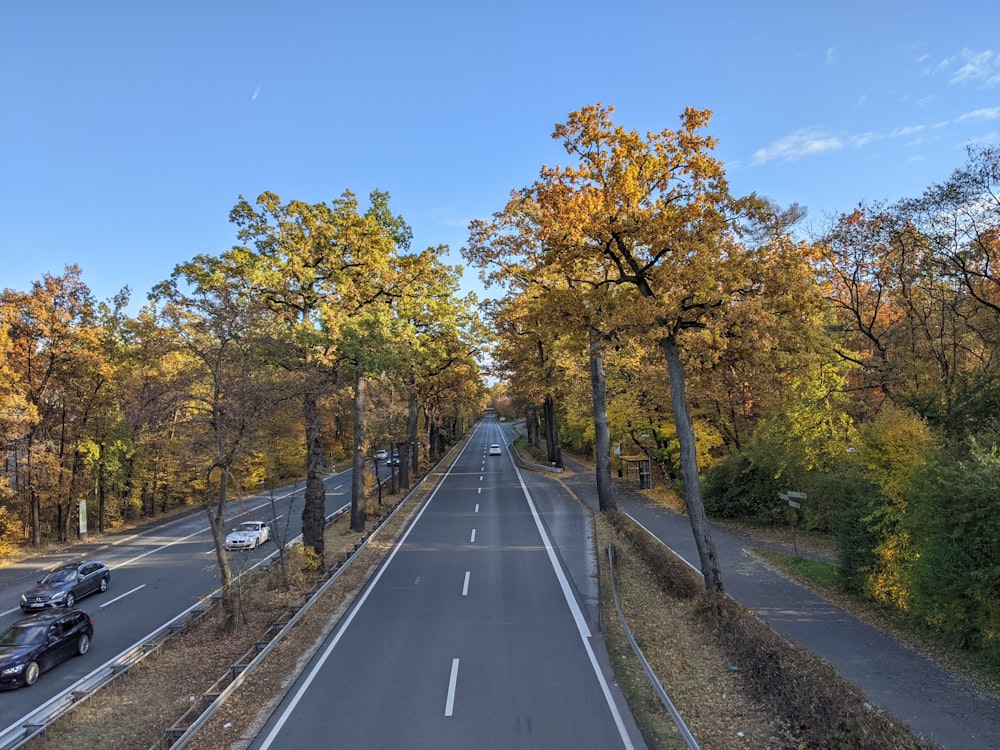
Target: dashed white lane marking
column 473, row 539
column 449, row 706
column 465, row 586
column 122, row 596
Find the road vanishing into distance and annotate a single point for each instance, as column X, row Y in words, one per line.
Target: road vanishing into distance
column 481, row 628
column 470, row 634
column 157, row 573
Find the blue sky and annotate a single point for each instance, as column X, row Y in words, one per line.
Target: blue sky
column 128, row 130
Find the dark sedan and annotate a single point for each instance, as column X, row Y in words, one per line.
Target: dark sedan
column 37, row 643
column 62, row 586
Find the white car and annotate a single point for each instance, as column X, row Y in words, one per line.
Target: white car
column 495, row 450
column 248, row 535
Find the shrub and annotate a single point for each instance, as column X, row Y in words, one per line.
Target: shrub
column 740, row 488
column 954, row 527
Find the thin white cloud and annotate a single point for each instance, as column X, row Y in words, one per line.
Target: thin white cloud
column 986, row 139
column 989, row 113
column 814, row 141
column 979, row 67
column 933, row 70
column 797, row 145
column 831, row 56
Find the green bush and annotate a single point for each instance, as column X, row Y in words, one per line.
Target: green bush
column 856, row 501
column 954, row 525
column 740, row 488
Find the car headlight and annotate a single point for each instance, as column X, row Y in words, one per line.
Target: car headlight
column 59, row 597
column 24, row 599
column 16, row 669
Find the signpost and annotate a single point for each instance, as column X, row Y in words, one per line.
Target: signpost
column 792, row 499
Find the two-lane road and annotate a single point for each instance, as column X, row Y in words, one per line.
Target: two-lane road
column 157, row 573
column 469, row 635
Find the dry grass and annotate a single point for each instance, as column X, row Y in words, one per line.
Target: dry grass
column 730, row 673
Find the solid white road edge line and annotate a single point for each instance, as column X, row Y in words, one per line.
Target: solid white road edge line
column 286, row 714
column 574, row 607
column 676, row 554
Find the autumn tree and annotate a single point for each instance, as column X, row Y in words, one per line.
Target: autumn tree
column 434, row 330
column 526, row 356
column 226, row 331
column 51, row 350
column 652, row 213
column 318, row 267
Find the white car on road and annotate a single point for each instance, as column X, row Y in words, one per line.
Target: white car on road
column 495, row 450
column 248, row 535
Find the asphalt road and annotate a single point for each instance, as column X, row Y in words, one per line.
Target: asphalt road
column 157, row 573
column 942, row 708
column 470, row 634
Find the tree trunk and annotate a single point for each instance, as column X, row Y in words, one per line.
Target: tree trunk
column 602, row 435
column 359, row 509
column 407, row 451
column 217, row 522
column 552, row 433
column 314, row 509
column 689, row 467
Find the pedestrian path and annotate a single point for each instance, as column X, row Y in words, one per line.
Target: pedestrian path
column 943, row 708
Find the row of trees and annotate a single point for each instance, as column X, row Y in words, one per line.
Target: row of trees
column 254, row 366
column 646, row 306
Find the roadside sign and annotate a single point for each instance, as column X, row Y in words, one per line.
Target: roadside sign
column 794, row 504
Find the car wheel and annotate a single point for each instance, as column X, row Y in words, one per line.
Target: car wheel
column 83, row 645
column 70, row 600
column 104, row 584
column 31, row 673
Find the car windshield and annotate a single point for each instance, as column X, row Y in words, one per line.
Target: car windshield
column 23, row 636
column 248, row 527
column 61, row 575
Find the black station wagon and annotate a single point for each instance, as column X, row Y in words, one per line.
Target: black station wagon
column 35, row 644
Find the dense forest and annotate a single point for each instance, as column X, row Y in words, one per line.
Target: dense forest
column 648, row 312
column 645, row 311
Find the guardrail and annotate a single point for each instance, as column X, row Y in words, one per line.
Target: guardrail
column 682, row 728
column 36, row 722
column 33, row 724
column 185, row 728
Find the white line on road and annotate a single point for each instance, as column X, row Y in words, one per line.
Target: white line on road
column 581, row 623
column 122, row 596
column 473, row 537
column 477, row 507
column 338, row 633
column 675, row 552
column 449, row 706
column 465, row 586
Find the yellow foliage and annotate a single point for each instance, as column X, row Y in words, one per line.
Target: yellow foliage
column 892, row 448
